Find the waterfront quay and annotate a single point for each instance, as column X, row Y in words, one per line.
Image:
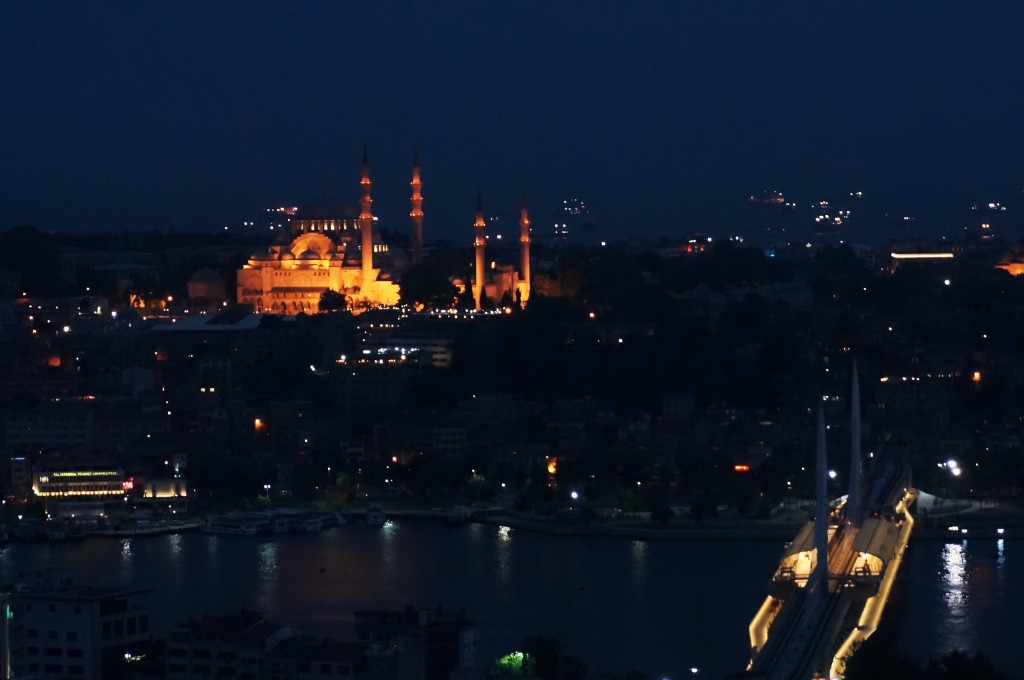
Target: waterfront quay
column 993, row 521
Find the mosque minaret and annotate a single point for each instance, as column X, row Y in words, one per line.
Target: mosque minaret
column 479, row 245
column 416, row 211
column 366, row 227
column 332, row 247
column 523, row 284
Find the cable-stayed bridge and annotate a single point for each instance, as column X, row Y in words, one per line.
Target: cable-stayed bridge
column 819, row 610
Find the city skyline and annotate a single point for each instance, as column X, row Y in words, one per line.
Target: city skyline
column 664, row 117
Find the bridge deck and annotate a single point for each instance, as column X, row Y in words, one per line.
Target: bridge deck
column 798, row 634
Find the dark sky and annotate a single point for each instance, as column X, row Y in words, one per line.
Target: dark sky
column 663, row 115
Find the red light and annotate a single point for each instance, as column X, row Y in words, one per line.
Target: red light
column 739, row 467
column 128, row 484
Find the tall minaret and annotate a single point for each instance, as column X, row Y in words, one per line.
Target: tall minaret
column 366, row 224
column 417, row 209
column 854, row 497
column 524, row 250
column 819, row 577
column 479, row 243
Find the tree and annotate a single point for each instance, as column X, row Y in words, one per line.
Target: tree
column 884, row 662
column 304, row 481
column 35, row 255
column 547, row 661
column 659, row 502
column 333, row 301
column 426, row 285
column 957, row 665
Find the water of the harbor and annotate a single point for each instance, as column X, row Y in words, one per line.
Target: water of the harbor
column 662, row 607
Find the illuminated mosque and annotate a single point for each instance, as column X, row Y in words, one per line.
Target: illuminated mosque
column 500, row 281
column 333, row 249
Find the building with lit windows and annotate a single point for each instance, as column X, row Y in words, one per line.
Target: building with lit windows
column 56, row 629
column 80, row 491
column 65, row 482
column 222, row 646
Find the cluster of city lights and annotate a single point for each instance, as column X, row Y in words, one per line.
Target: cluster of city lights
column 827, row 217
column 954, row 467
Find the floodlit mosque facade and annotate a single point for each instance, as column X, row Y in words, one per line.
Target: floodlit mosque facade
column 331, row 248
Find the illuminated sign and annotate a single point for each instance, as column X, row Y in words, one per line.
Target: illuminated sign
column 97, row 492
column 87, row 473
column 922, row 256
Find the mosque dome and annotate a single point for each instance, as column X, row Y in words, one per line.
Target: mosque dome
column 206, row 284
column 206, row 275
column 309, row 254
column 287, row 256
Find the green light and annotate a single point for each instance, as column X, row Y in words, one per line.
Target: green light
column 514, row 664
column 10, row 614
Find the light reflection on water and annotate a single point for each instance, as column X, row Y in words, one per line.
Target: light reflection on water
column 661, row 607
column 389, row 547
column 960, row 595
column 504, row 553
column 267, row 564
column 267, row 568
column 958, row 631
column 638, row 553
column 174, row 545
column 127, row 554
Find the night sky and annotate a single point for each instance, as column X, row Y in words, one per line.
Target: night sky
column 663, row 115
